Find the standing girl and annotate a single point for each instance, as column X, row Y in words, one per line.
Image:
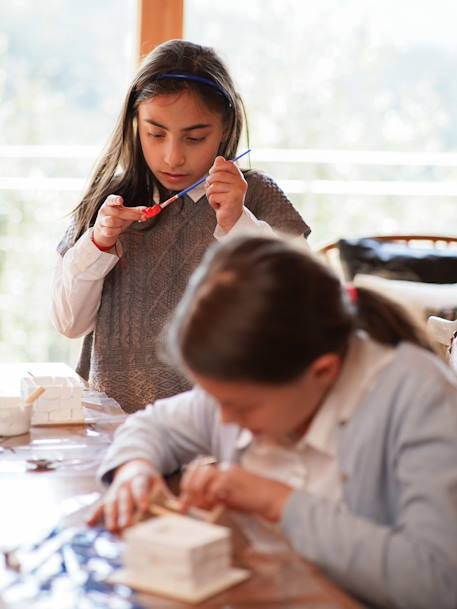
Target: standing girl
column 335, row 423
column 118, row 277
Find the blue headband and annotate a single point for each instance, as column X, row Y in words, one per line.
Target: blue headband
column 199, row 79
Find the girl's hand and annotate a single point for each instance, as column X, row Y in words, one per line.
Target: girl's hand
column 113, row 219
column 207, row 486
column 226, row 190
column 128, row 496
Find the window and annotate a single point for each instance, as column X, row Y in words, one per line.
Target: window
column 351, row 106
column 65, row 67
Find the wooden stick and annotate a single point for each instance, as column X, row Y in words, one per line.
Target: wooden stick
column 164, row 503
column 173, row 506
column 159, row 510
column 216, row 513
column 34, row 395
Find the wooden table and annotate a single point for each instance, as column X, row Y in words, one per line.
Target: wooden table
column 28, row 497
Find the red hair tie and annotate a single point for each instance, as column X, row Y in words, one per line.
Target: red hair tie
column 352, row 293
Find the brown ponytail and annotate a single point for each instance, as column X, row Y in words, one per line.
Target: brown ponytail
column 386, row 321
column 260, row 310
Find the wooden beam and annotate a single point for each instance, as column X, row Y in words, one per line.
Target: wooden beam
column 158, row 21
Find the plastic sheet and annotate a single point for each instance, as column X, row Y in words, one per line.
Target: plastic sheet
column 60, row 455
column 78, row 452
column 44, row 564
column 67, row 569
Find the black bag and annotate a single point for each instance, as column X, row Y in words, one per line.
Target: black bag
column 398, row 261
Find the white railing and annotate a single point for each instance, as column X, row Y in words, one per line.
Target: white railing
column 355, row 157
column 400, row 188
column 51, row 151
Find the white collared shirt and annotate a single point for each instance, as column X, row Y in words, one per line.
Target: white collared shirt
column 80, row 273
column 312, row 463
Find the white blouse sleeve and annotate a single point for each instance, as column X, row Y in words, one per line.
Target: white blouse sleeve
column 78, row 284
column 247, row 224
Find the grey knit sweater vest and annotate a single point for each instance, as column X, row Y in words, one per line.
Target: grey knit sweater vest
column 122, row 355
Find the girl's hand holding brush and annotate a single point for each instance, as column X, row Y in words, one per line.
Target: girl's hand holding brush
column 226, row 190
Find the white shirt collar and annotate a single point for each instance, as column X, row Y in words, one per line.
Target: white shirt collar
column 196, row 194
column 244, row 439
column 364, row 361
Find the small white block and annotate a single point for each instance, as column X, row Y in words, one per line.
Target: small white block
column 43, row 405
column 61, row 400
column 66, row 392
column 177, row 571
column 38, row 418
column 72, row 403
column 180, row 532
column 77, row 414
column 60, row 416
column 52, row 392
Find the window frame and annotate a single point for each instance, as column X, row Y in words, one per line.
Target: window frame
column 158, row 21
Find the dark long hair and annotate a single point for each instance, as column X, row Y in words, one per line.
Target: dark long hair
column 261, row 310
column 122, row 169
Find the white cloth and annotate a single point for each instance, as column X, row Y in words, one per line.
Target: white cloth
column 79, row 274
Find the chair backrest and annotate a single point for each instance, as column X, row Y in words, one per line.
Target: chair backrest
column 330, row 252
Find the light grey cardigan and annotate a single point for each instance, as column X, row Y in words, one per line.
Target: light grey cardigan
column 393, row 540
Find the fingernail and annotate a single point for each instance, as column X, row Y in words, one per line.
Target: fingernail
column 123, row 520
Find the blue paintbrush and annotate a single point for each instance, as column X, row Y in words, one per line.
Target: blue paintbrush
column 155, row 210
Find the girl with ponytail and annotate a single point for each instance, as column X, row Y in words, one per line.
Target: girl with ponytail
column 333, row 424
